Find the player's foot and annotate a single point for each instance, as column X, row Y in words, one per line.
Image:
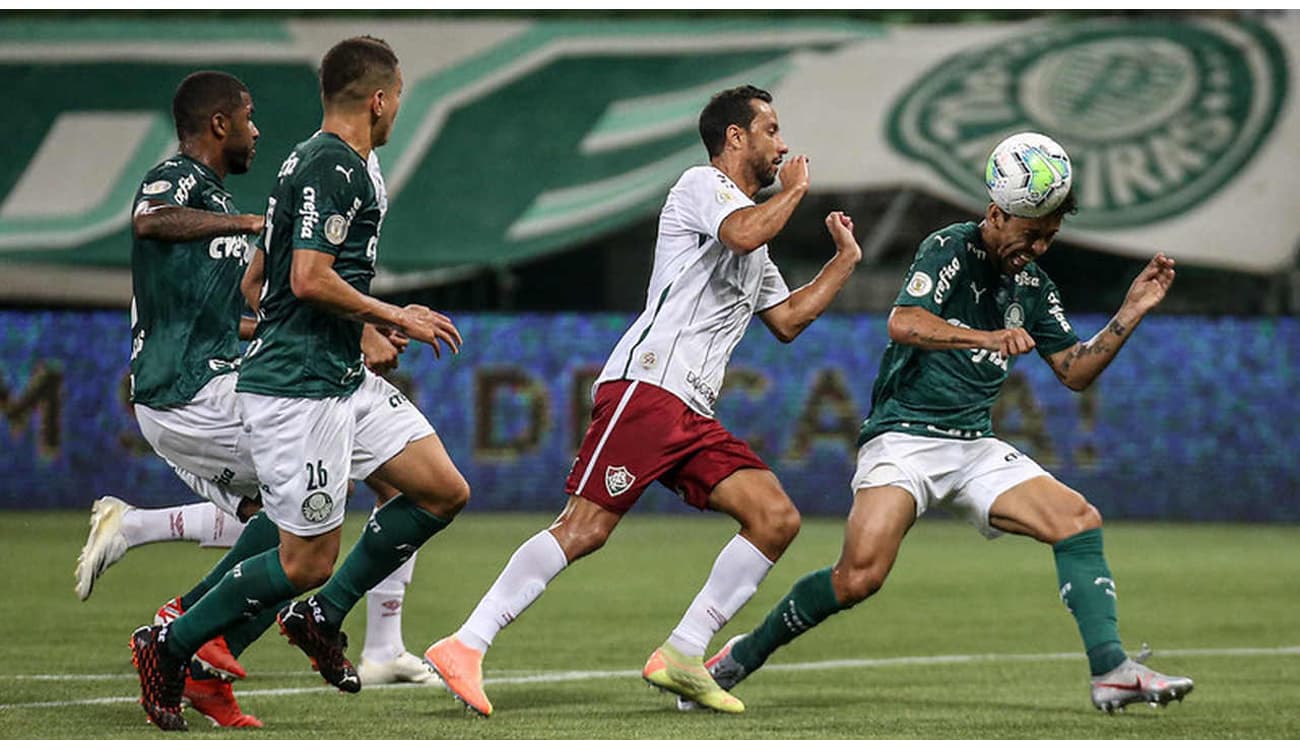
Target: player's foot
column 671, row 670
column 1133, row 682
column 406, row 667
column 162, row 678
column 215, row 700
column 305, row 627
column 461, row 670
column 213, row 657
column 105, row 544
column 724, row 670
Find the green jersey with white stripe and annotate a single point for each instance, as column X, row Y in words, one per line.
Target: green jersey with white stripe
column 950, row 393
column 330, row 200
column 185, row 302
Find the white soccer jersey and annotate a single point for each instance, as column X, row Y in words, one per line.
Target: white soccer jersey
column 701, row 295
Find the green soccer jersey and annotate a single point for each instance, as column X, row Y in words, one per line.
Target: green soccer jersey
column 950, row 393
column 185, row 303
column 328, row 199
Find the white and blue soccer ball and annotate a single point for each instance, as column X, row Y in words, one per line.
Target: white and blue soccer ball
column 1029, row 175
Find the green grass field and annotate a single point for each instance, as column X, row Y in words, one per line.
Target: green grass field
column 967, row 640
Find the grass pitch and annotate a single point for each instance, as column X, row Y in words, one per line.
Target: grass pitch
column 966, row 641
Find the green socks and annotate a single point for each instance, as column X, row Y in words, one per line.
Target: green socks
column 1089, row 593
column 241, row 635
column 247, row 590
column 391, row 535
column 259, row 535
column 811, row 600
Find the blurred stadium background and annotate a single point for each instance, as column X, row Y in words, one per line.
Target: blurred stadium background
column 532, row 155
column 525, row 173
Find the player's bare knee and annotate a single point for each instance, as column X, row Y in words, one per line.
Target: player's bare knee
column 306, row 573
column 786, row 522
column 443, row 499
column 580, row 541
column 772, row 525
column 455, row 498
column 1089, row 517
column 1076, row 518
column 855, row 583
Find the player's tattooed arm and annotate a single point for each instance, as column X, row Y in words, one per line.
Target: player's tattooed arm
column 916, row 326
column 167, row 223
column 1078, row 366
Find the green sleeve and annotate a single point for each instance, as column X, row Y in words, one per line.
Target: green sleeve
column 327, row 194
column 1051, row 330
column 933, row 274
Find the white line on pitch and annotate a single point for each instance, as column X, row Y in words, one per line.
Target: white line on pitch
column 571, row 676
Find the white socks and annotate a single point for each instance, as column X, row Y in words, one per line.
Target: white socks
column 736, row 573
column 533, row 565
column 218, row 528
column 195, row 522
column 384, row 615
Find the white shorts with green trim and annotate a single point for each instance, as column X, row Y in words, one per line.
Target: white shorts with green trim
column 962, row 476
column 204, row 443
column 306, row 449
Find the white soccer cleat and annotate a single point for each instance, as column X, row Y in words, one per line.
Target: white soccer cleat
column 104, row 546
column 1134, row 682
column 407, row 667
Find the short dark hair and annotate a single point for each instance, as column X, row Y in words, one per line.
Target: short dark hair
column 362, row 62
column 1068, row 206
column 200, row 96
column 727, row 108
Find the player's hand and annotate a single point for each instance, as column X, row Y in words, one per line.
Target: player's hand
column 794, row 172
column 423, row 324
column 1010, row 342
column 398, row 339
column 377, row 350
column 256, row 223
column 840, row 225
column 1151, row 284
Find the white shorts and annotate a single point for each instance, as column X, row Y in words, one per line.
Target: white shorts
column 306, row 449
column 204, row 443
column 964, row 476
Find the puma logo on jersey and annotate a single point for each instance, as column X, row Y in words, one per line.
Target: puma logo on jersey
column 977, row 292
column 347, row 173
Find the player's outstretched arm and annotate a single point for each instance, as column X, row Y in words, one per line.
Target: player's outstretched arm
column 915, row 326
column 1078, row 366
column 748, row 229
column 167, row 223
column 804, row 305
column 313, row 280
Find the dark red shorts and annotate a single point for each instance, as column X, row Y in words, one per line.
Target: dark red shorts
column 640, row 433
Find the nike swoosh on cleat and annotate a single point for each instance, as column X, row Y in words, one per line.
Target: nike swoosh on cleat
column 1136, row 686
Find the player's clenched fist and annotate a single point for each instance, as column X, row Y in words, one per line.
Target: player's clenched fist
column 1010, row 342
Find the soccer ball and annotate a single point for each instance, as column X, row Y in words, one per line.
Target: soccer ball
column 1028, row 175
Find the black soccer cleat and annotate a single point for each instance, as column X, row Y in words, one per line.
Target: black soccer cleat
column 305, row 627
column 162, row 678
